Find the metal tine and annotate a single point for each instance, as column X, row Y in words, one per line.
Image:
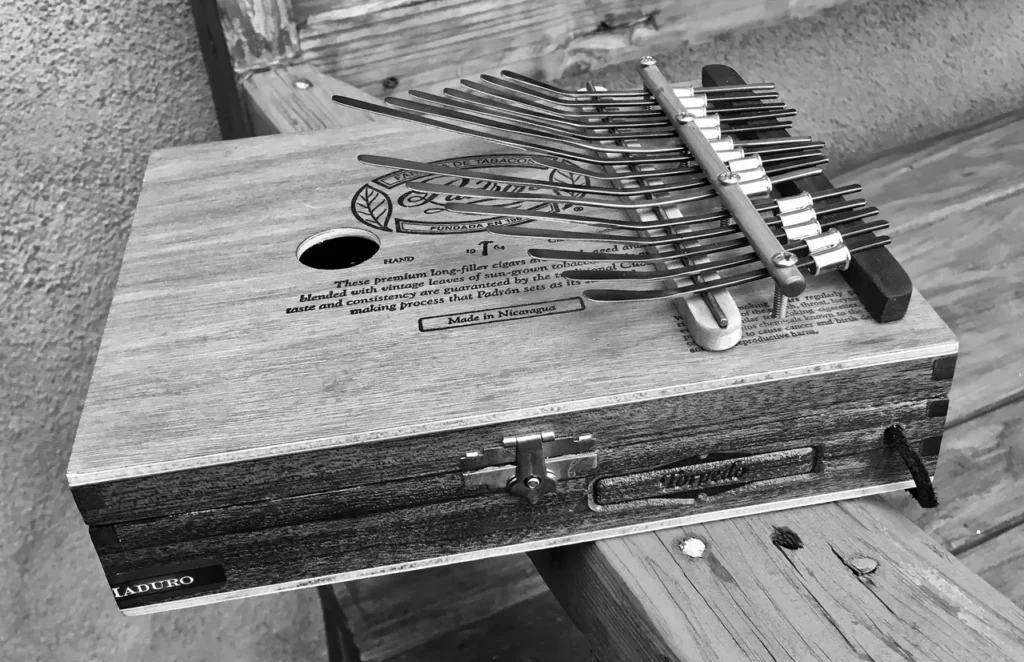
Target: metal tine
column 576, row 129
column 782, row 154
column 395, row 113
column 724, row 89
column 856, row 245
column 718, row 215
column 857, row 206
column 402, row 164
column 675, row 199
column 527, row 130
column 498, row 91
column 574, row 102
column 608, row 238
column 747, row 257
column 389, row 162
column 538, row 109
column 699, row 182
column 719, row 247
column 506, row 111
column 609, row 119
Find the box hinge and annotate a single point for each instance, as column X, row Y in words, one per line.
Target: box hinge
column 529, row 465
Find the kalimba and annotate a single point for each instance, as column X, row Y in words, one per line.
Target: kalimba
column 533, row 317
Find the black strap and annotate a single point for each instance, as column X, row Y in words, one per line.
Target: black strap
column 924, row 493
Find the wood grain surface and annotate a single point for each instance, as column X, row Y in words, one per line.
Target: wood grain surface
column 298, row 98
column 225, row 374
column 382, row 47
column 746, row 598
column 258, row 33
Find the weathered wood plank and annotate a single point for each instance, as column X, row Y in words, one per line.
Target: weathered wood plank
column 298, row 98
column 397, row 45
column 744, row 597
column 979, row 481
column 536, row 630
column 1000, row 562
column 258, row 33
column 231, row 116
column 392, row 614
column 958, row 227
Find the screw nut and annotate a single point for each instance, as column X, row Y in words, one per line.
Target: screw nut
column 784, row 259
column 648, row 61
column 532, row 482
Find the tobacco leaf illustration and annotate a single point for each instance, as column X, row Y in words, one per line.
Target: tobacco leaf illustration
column 563, row 177
column 372, row 207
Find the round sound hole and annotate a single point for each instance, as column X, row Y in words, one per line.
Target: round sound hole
column 338, row 249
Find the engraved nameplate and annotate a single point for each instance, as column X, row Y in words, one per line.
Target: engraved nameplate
column 704, row 476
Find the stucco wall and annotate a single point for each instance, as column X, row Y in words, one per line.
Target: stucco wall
column 88, row 89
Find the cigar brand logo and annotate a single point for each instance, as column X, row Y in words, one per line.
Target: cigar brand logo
column 385, row 204
column 680, row 480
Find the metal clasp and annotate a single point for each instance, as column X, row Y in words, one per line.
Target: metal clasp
column 529, row 466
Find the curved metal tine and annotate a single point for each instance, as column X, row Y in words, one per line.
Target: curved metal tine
column 724, row 282
column 574, row 102
column 359, row 104
column 688, row 270
column 540, row 215
column 627, row 224
column 596, row 174
column 529, row 130
column 771, row 158
column 604, row 113
column 507, row 112
column 830, row 217
column 543, row 111
column 717, row 215
column 505, row 93
column 775, row 124
column 534, row 111
column 434, row 169
column 526, row 80
column 673, row 199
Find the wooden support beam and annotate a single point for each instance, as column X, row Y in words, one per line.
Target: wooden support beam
column 865, row 584
column 258, row 33
column 298, row 98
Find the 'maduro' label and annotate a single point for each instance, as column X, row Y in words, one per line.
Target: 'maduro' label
column 136, row 588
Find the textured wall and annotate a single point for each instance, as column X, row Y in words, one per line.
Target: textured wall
column 88, row 89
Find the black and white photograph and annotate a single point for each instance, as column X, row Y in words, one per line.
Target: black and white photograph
column 526, row 331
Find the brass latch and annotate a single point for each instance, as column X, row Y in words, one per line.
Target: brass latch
column 529, row 465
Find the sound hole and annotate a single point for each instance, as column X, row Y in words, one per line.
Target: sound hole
column 338, row 249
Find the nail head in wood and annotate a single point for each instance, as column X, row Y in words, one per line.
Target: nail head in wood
column 862, row 565
column 693, row 547
column 301, row 84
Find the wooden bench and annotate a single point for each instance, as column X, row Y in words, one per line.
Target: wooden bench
column 743, row 596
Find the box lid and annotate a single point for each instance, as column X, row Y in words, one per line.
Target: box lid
column 222, row 348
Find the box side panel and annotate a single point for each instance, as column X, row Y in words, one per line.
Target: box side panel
column 427, row 459
column 359, row 531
